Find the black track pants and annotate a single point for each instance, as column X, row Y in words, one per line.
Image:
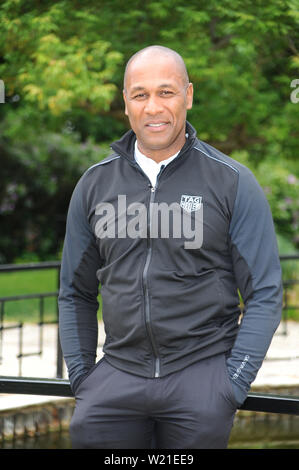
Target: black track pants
column 193, row 408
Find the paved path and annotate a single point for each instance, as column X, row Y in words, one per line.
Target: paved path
column 280, row 368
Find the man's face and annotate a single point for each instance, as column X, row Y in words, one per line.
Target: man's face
column 157, row 98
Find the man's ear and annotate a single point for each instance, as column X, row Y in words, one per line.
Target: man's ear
column 125, row 100
column 189, row 94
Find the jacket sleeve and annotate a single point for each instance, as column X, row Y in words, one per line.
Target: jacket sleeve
column 258, row 274
column 78, row 304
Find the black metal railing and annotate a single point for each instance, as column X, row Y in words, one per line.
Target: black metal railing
column 259, row 402
column 61, row 387
column 9, row 268
column 19, row 326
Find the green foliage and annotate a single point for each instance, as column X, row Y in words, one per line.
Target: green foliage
column 38, row 177
column 56, row 60
column 62, row 63
column 281, row 186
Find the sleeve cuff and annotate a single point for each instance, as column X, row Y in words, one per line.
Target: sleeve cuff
column 240, row 394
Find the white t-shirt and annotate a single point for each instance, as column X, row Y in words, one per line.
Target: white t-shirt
column 149, row 166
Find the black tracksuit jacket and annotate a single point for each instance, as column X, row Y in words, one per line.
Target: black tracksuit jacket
column 165, row 305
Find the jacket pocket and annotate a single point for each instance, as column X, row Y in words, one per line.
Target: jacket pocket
column 193, row 303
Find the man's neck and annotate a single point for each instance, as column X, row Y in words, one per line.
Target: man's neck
column 139, row 154
column 161, row 154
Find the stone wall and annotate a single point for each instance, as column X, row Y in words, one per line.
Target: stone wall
column 36, row 419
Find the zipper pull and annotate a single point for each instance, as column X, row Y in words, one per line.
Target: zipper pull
column 152, row 188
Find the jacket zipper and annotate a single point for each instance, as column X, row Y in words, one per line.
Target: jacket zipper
column 144, row 278
column 146, row 291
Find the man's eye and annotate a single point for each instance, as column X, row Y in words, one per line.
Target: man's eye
column 166, row 93
column 139, row 96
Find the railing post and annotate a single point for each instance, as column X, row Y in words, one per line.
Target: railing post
column 20, row 355
column 285, row 310
column 59, row 355
column 59, row 365
column 1, row 329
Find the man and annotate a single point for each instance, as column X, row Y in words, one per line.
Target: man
column 177, row 362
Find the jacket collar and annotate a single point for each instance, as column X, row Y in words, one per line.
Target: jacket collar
column 126, row 144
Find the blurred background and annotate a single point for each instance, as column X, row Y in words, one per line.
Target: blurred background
column 62, row 64
column 61, row 106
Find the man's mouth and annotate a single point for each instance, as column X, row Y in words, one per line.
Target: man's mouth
column 157, row 125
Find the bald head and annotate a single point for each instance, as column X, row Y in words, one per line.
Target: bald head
column 151, row 53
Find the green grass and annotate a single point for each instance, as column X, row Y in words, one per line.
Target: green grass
column 29, row 282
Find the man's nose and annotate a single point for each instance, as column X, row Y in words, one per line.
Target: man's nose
column 153, row 105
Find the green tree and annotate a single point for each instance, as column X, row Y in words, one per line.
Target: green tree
column 62, row 63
